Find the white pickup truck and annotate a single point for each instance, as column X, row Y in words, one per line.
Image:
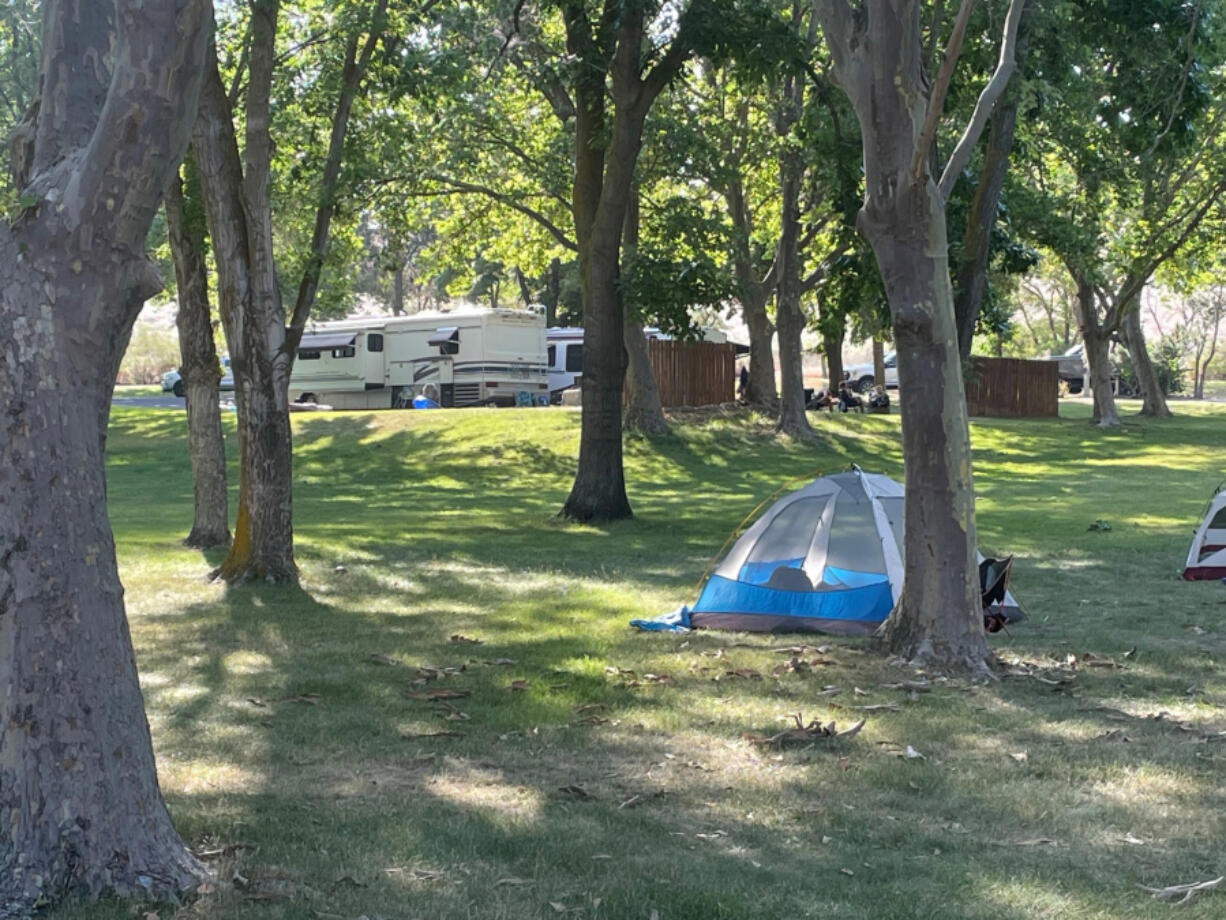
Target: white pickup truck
column 861, row 375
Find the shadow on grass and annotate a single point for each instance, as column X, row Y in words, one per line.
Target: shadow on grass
column 281, row 726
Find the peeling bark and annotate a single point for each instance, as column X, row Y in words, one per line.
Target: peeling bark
column 80, row 810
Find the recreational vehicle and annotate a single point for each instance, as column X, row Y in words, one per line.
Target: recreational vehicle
column 459, row 358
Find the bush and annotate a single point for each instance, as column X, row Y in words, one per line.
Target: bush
column 1168, row 365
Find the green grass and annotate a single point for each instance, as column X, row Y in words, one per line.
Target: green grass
column 414, row 527
column 133, row 390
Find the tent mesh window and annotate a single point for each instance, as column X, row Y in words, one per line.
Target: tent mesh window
column 785, row 542
column 855, row 545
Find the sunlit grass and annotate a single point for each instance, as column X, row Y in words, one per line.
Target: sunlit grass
column 282, row 723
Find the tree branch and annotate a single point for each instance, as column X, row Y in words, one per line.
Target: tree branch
column 458, row 187
column 158, row 65
column 936, row 99
column 987, row 100
column 351, row 79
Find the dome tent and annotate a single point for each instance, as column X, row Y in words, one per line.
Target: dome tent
column 825, row 558
column 1207, row 555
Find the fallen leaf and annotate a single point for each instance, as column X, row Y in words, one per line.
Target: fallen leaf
column 847, row 872
column 435, row 695
column 256, row 701
column 587, row 707
column 517, row 686
column 1020, row 756
column 912, row 754
column 1037, row 842
column 558, row 906
column 505, row 661
column 714, row 835
column 376, row 658
column 1132, row 838
column 512, row 882
column 601, row 856
column 465, row 640
column 576, row 792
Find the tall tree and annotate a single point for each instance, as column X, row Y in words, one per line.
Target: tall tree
column 261, row 334
column 198, row 369
column 1125, row 162
column 80, row 809
column 877, row 52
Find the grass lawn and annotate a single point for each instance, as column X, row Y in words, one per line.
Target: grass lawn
column 140, row 389
column 299, row 750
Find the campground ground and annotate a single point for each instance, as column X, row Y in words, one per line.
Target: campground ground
column 580, row 769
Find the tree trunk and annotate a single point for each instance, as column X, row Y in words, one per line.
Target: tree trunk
column 876, row 53
column 1153, row 400
column 1097, row 356
column 80, row 810
column 878, row 360
column 555, row 293
column 238, row 210
column 833, row 346
column 643, row 410
column 761, row 391
column 199, row 368
column 789, row 319
column 938, row 618
column 601, row 192
column 754, row 295
column 398, row 290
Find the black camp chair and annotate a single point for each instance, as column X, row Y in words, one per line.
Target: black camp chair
column 993, row 583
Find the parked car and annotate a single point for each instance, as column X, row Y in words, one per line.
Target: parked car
column 861, row 375
column 1073, row 371
column 173, row 383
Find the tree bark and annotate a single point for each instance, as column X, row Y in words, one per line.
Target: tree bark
column 1153, row 400
column 789, row 318
column 754, row 295
column 398, row 290
column 643, row 410
column 878, row 360
column 80, row 809
column 199, row 368
column 262, row 344
column 238, row 209
column 833, row 346
column 878, row 60
column 1097, row 338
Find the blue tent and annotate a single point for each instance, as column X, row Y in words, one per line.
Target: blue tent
column 825, row 558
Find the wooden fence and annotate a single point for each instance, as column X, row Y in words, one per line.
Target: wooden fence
column 693, row 373
column 1013, row 388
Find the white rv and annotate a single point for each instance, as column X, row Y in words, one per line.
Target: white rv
column 455, row 358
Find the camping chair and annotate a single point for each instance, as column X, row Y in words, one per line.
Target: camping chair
column 993, row 583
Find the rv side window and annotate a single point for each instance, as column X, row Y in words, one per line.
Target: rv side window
column 553, row 354
column 574, row 359
column 449, row 348
column 374, row 342
column 308, row 355
column 345, row 351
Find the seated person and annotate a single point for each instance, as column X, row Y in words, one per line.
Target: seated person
column 879, row 399
column 821, row 400
column 849, row 400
